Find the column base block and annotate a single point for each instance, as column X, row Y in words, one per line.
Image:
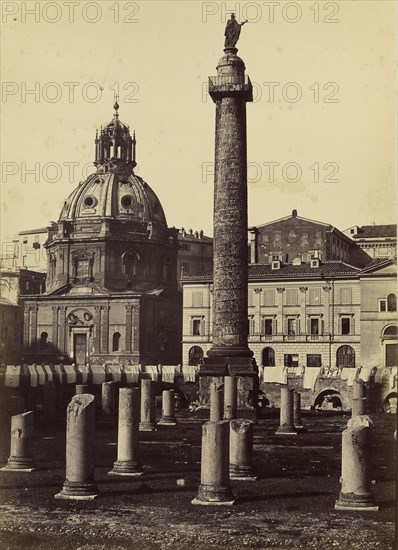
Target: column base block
column 170, row 421
column 11, row 469
column 286, row 430
column 127, row 474
column 236, row 477
column 197, row 501
column 351, row 501
column 77, row 491
column 61, row 496
column 371, row 508
column 147, row 427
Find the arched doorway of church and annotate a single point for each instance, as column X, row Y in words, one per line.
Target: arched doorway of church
column 195, row 355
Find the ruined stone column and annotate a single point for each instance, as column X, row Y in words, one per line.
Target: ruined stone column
column 147, row 423
column 50, row 401
column 298, row 423
column 80, row 440
column 286, row 413
column 168, row 408
column 214, row 474
column 241, row 450
column 358, row 398
column 128, row 463
column 356, row 481
column 81, row 388
column 108, row 400
column 230, row 397
column 216, row 401
column 21, row 454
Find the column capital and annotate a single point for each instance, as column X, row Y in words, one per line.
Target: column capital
column 280, row 289
column 258, row 290
column 303, row 288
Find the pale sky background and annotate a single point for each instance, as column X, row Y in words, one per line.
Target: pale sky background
column 168, row 55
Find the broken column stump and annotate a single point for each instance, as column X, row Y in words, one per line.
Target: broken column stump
column 230, row 397
column 358, row 398
column 286, row 413
column 128, row 463
column 81, row 388
column 214, row 486
column 21, row 454
column 216, row 401
column 108, row 400
column 298, row 423
column 356, row 481
column 148, row 406
column 168, row 408
column 80, row 439
column 241, row 450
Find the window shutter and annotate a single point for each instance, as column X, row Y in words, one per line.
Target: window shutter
column 274, row 327
column 352, row 325
column 298, row 326
column 322, row 327
column 308, row 326
column 202, row 332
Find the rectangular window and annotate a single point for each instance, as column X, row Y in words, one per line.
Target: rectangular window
column 269, row 297
column 250, row 325
column 314, row 360
column 291, row 297
column 382, row 305
column 196, row 327
column 250, row 298
column 82, row 268
column 197, row 299
column 268, row 327
column 185, row 267
column 345, row 296
column 291, row 360
column 345, row 325
column 292, row 327
column 314, row 296
column 185, row 247
column 314, row 326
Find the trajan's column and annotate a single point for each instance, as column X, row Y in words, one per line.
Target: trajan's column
column 230, row 90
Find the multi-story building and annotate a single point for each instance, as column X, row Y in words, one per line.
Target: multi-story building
column 293, row 238
column 298, row 315
column 372, row 242
column 195, row 254
column 27, row 250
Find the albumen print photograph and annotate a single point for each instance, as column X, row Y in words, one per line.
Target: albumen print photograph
column 198, row 317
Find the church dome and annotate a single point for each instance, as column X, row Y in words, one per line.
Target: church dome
column 112, row 195
column 114, row 191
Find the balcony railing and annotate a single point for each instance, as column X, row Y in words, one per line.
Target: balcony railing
column 230, row 83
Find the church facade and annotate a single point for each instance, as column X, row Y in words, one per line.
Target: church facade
column 111, row 289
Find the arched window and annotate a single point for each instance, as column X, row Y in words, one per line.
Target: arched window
column 116, row 341
column 43, row 340
column 390, row 332
column 195, row 355
column 268, row 357
column 345, row 357
column 391, row 302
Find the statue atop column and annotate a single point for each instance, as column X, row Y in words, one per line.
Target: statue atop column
column 232, row 32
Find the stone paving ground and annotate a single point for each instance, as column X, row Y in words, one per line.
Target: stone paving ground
column 291, row 505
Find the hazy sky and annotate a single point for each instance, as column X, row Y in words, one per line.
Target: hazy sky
column 328, row 120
